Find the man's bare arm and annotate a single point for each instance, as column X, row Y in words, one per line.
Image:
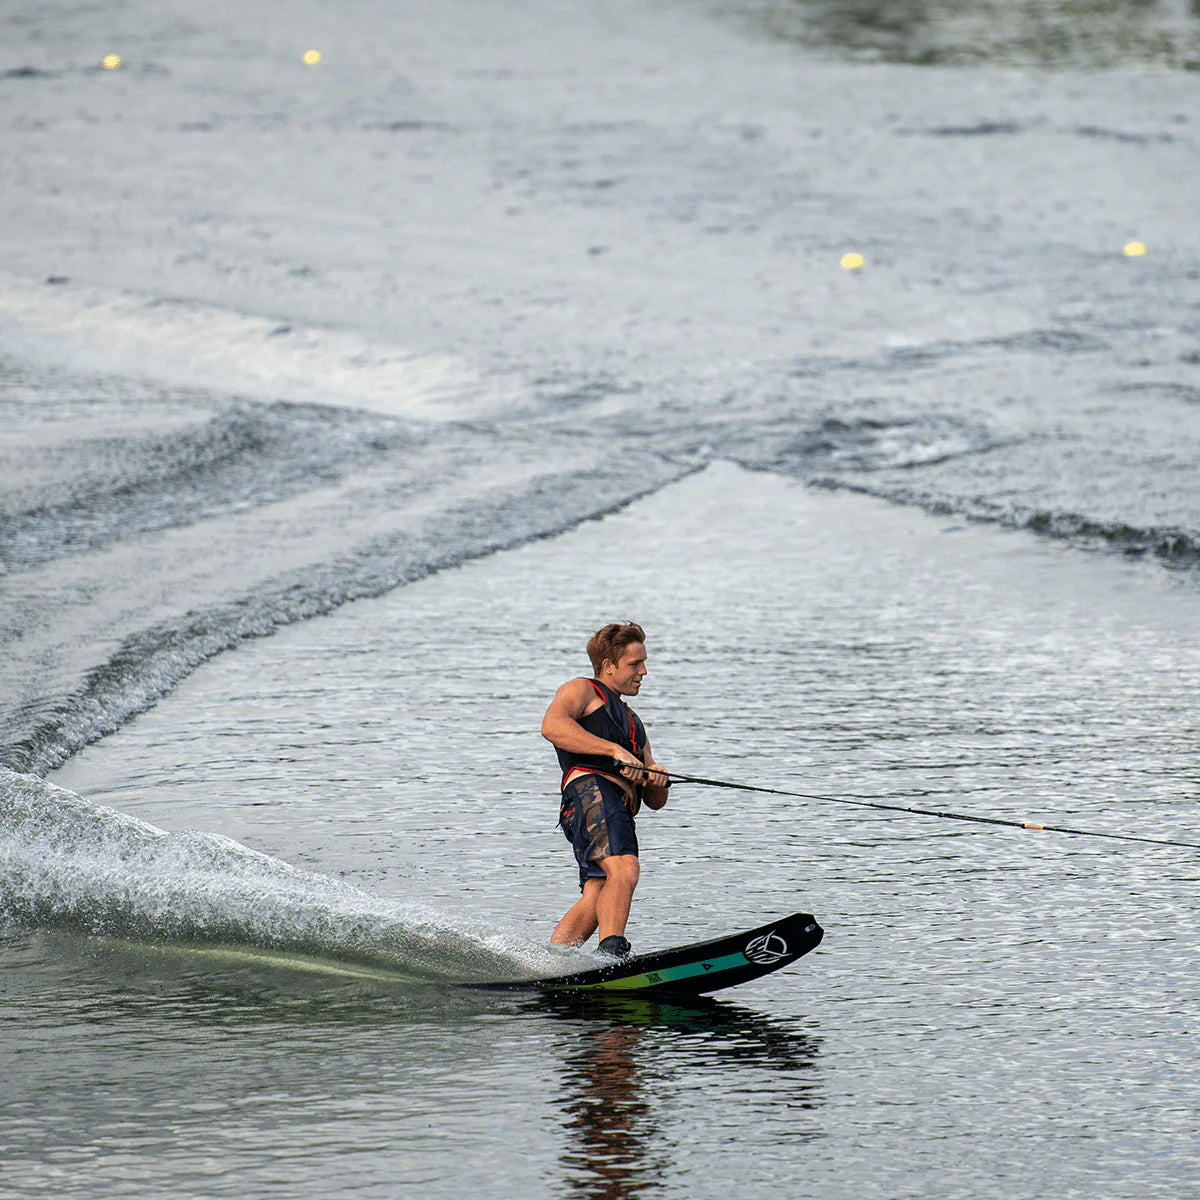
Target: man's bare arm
column 655, row 793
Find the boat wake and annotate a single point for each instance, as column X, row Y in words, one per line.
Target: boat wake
column 69, row 866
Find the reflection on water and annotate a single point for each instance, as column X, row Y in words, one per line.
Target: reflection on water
column 622, row 1056
column 190, row 985
column 611, row 1132
column 124, row 1070
column 1027, row 33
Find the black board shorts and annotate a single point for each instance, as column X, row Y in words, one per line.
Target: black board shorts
column 596, row 820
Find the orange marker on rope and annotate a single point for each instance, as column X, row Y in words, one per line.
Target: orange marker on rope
column 930, row 812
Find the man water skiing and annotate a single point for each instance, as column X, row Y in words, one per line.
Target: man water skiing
column 590, row 726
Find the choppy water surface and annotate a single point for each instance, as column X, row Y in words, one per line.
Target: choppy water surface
column 1027, row 33
column 972, row 982
column 339, row 403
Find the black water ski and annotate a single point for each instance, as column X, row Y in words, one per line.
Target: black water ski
column 689, row 970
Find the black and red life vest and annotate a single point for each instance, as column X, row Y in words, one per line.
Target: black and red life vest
column 614, row 721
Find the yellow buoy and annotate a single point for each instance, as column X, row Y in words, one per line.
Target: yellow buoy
column 312, row 57
column 110, row 62
column 852, row 261
column 1134, row 250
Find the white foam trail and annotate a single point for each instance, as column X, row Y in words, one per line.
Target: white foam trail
column 69, row 864
column 196, row 345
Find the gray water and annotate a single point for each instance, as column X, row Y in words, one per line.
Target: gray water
column 338, row 406
column 995, row 1011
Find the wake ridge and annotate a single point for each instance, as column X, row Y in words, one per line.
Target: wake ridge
column 151, row 662
column 246, row 456
column 70, row 866
column 1173, row 546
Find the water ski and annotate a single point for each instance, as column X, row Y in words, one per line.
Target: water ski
column 689, row 970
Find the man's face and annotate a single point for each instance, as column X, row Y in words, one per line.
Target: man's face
column 626, row 677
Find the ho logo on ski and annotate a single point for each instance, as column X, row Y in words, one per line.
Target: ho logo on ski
column 767, row 948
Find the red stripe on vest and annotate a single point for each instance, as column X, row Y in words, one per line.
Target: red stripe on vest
column 632, row 727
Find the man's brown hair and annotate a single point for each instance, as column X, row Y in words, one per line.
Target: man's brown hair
column 610, row 642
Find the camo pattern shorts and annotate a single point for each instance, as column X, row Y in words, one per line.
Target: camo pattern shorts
column 596, row 820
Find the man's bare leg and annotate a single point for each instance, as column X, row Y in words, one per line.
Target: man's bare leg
column 616, row 895
column 580, row 921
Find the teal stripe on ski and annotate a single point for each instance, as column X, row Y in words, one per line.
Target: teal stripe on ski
column 671, row 974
